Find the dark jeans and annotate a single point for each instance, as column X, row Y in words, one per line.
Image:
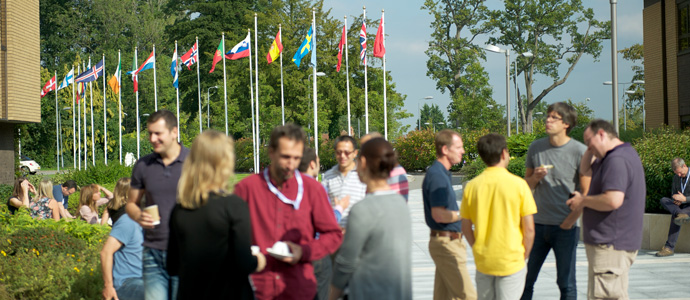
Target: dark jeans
column 564, row 245
column 674, row 229
column 323, row 271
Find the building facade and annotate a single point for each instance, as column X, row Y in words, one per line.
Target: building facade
column 20, row 101
column 667, row 62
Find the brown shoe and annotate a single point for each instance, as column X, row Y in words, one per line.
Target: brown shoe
column 681, row 219
column 666, row 251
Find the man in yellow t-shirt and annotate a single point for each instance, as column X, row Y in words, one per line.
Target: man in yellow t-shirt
column 500, row 205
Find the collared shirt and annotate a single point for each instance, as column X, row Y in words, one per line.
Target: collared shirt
column 397, row 180
column 160, row 184
column 273, row 220
column 339, row 186
column 58, row 196
column 437, row 191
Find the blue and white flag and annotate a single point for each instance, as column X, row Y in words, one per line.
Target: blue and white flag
column 91, row 74
column 69, row 79
column 173, row 70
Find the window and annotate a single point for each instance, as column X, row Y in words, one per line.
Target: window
column 683, row 26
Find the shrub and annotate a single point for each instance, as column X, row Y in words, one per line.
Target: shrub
column 656, row 149
column 518, row 144
column 476, row 167
column 100, row 173
column 41, row 240
column 92, row 235
column 416, row 150
column 327, row 154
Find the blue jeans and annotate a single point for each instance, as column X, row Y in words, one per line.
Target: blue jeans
column 157, row 283
column 564, row 245
column 673, row 229
column 131, row 289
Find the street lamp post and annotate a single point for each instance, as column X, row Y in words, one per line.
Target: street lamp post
column 208, row 110
column 419, row 123
column 625, row 111
column 496, row 49
column 536, row 113
column 644, row 110
column 434, row 125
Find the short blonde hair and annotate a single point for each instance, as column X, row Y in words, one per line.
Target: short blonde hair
column 208, row 167
column 45, row 189
column 120, row 194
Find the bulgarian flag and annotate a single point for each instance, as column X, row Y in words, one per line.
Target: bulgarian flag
column 276, row 48
column 218, row 55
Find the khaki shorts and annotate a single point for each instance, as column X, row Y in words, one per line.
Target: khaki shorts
column 608, row 271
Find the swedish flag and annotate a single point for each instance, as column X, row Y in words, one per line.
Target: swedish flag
column 304, row 48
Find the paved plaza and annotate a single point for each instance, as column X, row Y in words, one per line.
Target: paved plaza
column 650, row 277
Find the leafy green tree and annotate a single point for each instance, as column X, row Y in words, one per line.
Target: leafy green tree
column 540, row 27
column 432, row 117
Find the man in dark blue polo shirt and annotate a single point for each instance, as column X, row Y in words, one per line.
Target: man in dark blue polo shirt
column 61, row 192
column 156, row 176
column 452, row 280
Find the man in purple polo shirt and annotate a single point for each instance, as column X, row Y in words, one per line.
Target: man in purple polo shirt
column 156, row 176
column 613, row 210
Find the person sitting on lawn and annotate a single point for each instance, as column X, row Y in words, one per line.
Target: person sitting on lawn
column 44, row 206
column 89, row 201
column 116, row 206
column 20, row 194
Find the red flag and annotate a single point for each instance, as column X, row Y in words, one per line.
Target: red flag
column 217, row 56
column 51, row 85
column 340, row 49
column 276, row 48
column 379, row 49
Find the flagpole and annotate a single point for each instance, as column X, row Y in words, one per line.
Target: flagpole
column 137, row 103
column 57, row 128
column 74, row 140
column 316, row 109
column 385, row 106
column 78, row 158
column 155, row 86
column 347, row 74
column 177, row 94
column 282, row 92
column 251, row 92
column 93, row 130
column 105, row 125
column 256, row 82
column 225, row 86
column 366, row 86
column 198, row 82
column 119, row 102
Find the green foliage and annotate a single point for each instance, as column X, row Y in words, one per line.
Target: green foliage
column 476, row 167
column 99, row 173
column 41, row 239
column 469, row 140
column 327, row 154
column 518, row 144
column 431, row 118
column 656, row 149
column 416, row 150
column 92, row 235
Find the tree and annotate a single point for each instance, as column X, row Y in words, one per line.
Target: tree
column 635, row 53
column 540, row 26
column 454, row 58
column 432, row 117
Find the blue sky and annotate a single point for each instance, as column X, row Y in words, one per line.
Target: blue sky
column 408, row 35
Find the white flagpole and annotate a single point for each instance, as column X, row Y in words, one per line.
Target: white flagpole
column 137, row 104
column 251, row 92
column 385, row 106
column 347, row 74
column 256, row 82
column 93, row 130
column 198, row 81
column 74, row 139
column 57, row 128
column 316, row 109
column 366, row 86
column 282, row 93
column 78, row 158
column 119, row 102
column 177, row 92
column 105, row 112
column 225, row 86
column 155, row 86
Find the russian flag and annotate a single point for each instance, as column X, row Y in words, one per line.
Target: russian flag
column 240, row 50
column 150, row 63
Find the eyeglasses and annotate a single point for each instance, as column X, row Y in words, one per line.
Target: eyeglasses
column 347, row 153
column 553, row 118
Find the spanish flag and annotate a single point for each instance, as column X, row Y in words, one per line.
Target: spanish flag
column 276, row 49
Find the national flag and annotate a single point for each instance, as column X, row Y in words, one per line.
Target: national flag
column 217, row 56
column 313, row 51
column 191, row 57
column 173, row 69
column 50, row 86
column 114, row 81
column 240, row 50
column 149, row 63
column 91, row 74
column 379, row 49
column 341, row 46
column 133, row 73
column 81, row 91
column 69, row 79
column 363, row 44
column 276, row 48
column 303, row 49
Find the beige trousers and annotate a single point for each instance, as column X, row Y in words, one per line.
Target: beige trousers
column 608, row 271
column 452, row 280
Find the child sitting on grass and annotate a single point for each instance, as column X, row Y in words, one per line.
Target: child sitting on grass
column 89, row 201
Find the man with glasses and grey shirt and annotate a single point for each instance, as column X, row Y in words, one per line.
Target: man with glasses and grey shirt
column 341, row 181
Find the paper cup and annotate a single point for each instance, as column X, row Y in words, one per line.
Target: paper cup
column 153, row 211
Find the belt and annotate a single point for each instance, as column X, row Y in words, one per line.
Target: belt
column 443, row 233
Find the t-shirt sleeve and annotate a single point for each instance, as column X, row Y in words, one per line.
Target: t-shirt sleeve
column 438, row 191
column 122, row 231
column 138, row 176
column 614, row 175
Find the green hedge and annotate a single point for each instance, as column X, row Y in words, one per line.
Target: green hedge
column 416, row 150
